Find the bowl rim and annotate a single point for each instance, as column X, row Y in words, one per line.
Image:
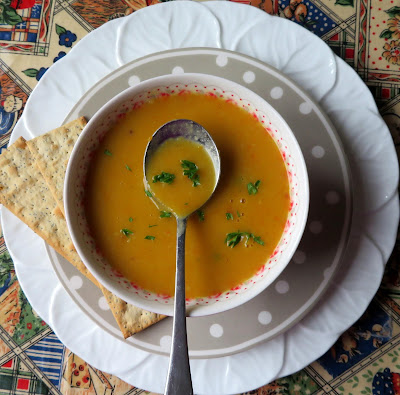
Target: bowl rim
column 150, row 305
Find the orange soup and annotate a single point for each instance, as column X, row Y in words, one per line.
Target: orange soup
column 181, row 175
column 234, row 233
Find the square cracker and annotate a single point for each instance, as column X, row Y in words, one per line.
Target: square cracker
column 130, row 319
column 24, row 191
column 51, row 152
column 55, row 147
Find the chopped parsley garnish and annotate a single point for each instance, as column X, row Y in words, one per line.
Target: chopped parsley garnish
column 130, row 219
column 253, row 188
column 128, row 168
column 165, row 214
column 190, row 170
column 237, row 212
column 200, row 213
column 152, row 226
column 148, row 193
column 258, row 240
column 229, row 216
column 167, row 178
column 107, row 152
column 234, row 238
column 126, row 232
column 149, row 237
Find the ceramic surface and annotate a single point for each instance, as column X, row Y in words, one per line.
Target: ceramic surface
column 288, row 299
column 88, row 144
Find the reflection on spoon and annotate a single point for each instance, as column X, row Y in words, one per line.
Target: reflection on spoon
column 181, row 171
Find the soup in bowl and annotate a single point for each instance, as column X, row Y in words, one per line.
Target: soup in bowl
column 237, row 244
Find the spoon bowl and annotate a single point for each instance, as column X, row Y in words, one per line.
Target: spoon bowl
column 179, row 377
column 189, row 130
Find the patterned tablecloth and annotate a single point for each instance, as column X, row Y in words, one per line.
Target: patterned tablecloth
column 34, row 34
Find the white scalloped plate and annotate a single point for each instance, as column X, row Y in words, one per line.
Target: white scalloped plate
column 328, row 80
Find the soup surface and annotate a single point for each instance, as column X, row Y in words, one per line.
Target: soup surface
column 229, row 239
column 181, row 175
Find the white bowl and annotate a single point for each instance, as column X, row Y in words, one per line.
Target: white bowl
column 89, row 141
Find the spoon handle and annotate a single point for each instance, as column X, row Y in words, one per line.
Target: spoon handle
column 179, row 381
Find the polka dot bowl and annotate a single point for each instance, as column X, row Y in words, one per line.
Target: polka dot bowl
column 128, row 100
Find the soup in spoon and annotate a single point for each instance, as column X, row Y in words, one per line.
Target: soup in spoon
column 181, row 175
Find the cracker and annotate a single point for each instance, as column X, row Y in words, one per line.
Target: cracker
column 130, row 319
column 55, row 147
column 24, row 191
column 51, row 152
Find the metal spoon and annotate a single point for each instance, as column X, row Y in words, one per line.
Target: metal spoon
column 179, row 380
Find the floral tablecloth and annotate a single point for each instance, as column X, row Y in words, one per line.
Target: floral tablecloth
column 34, row 34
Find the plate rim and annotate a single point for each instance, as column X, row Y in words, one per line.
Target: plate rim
column 336, row 141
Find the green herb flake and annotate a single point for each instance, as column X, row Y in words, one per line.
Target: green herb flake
column 148, row 193
column 252, row 189
column 234, row 238
column 128, row 168
column 130, row 219
column 149, row 237
column 200, row 213
column 258, row 240
column 107, row 152
column 165, row 214
column 152, row 226
column 167, row 178
column 238, row 214
column 229, row 216
column 126, row 232
column 190, row 170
